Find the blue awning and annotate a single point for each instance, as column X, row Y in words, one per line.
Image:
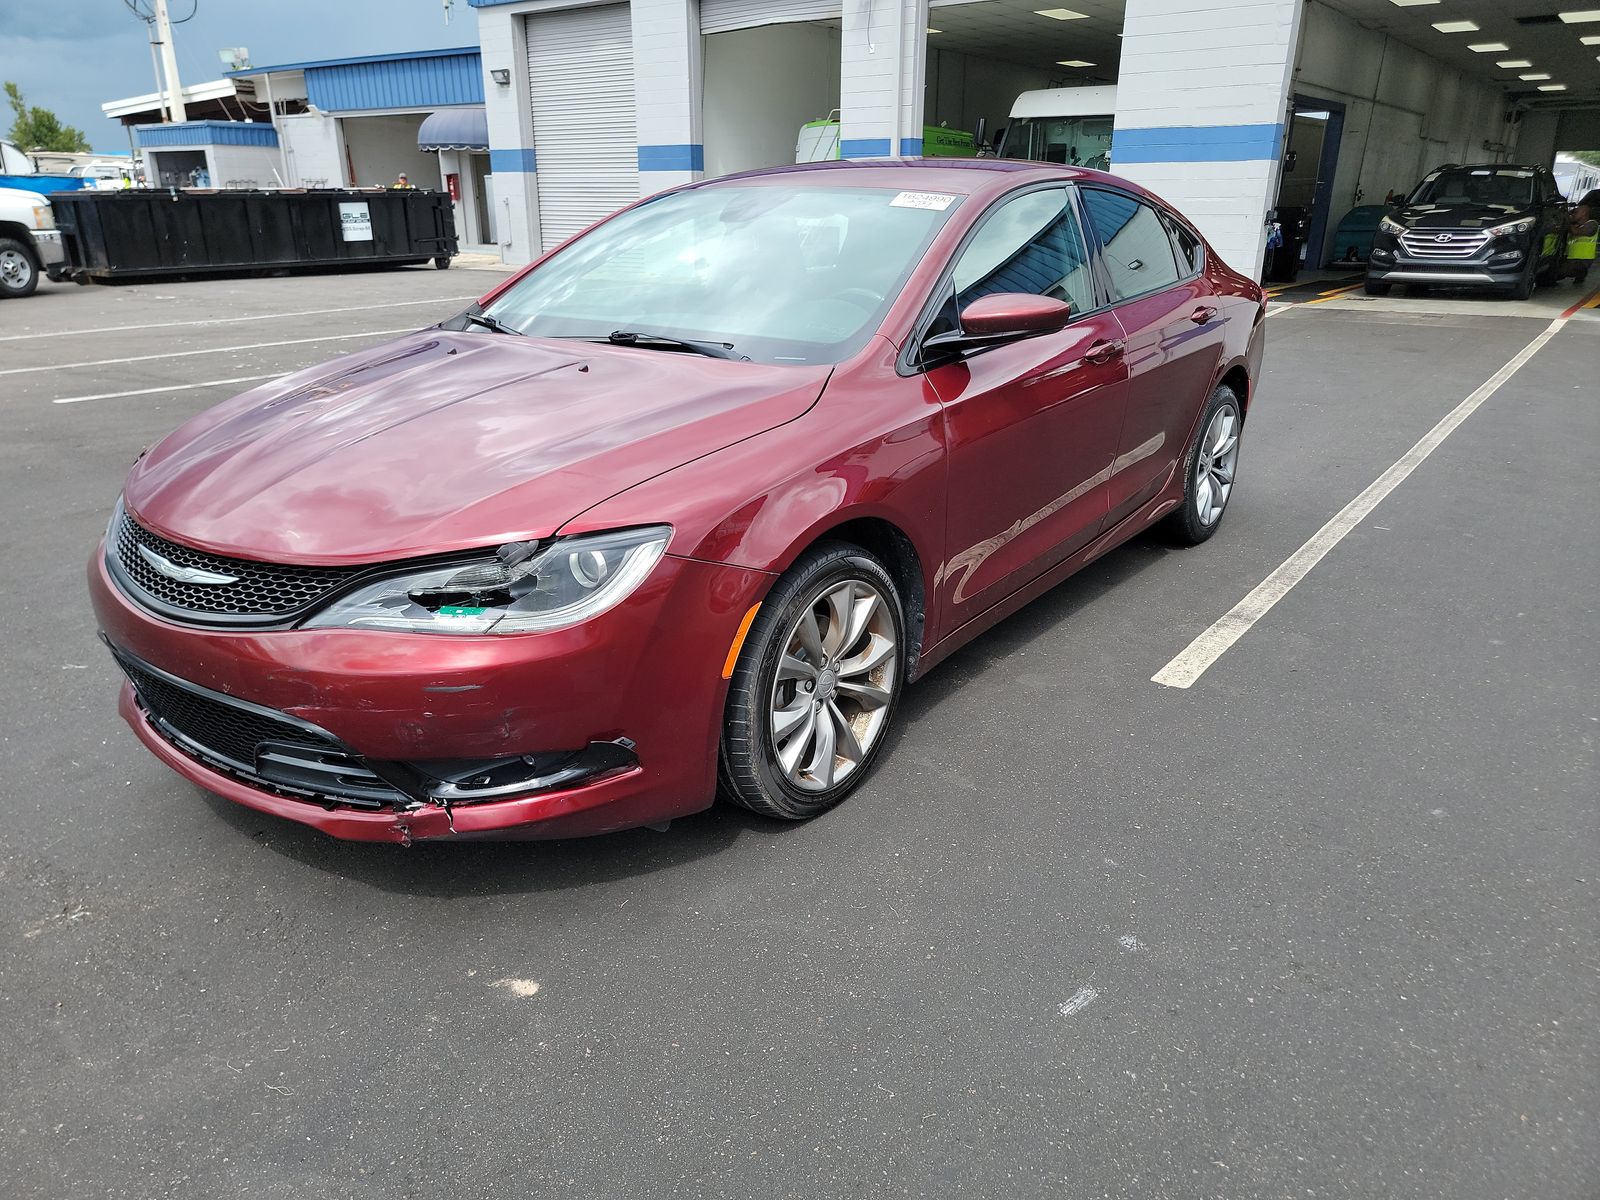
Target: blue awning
column 454, row 129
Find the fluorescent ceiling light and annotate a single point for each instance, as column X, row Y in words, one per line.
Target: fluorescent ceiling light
column 1072, row 62
column 1583, row 17
column 1514, row 64
column 1061, row 14
column 1488, row 47
column 1535, row 75
column 1411, row 3
column 1456, row 26
column 1553, row 87
column 931, row 29
column 1592, row 40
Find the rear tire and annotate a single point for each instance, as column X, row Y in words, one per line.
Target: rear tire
column 19, row 269
column 815, row 689
column 442, row 262
column 1373, row 288
column 1209, row 470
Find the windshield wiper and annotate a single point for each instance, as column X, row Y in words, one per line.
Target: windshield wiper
column 492, row 323
column 630, row 337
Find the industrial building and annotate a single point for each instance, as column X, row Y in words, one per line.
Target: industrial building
column 1224, row 109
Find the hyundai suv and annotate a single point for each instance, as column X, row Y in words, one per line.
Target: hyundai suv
column 1492, row 226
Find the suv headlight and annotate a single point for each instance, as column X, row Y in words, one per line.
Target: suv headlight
column 43, row 218
column 522, row 588
column 1390, row 225
column 1511, row 227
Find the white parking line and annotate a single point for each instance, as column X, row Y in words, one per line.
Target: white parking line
column 303, row 312
column 168, row 387
column 1211, row 645
column 112, row 362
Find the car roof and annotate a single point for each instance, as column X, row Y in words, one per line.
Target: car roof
column 967, row 176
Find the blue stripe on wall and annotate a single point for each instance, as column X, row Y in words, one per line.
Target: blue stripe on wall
column 1197, row 143
column 511, row 161
column 910, row 147
column 865, row 148
column 685, row 157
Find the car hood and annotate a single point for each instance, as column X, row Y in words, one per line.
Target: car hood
column 441, row 441
column 1476, row 216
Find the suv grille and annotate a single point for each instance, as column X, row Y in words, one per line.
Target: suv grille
column 264, row 590
column 1455, row 244
column 253, row 743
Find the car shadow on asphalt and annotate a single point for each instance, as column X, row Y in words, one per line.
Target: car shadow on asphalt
column 456, row 869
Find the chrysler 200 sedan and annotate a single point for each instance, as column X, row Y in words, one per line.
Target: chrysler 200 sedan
column 679, row 510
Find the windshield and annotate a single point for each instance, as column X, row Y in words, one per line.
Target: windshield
column 1071, row 141
column 1475, row 187
column 782, row 274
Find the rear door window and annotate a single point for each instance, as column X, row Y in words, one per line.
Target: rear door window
column 1135, row 248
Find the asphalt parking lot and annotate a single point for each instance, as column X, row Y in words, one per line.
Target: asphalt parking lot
column 1322, row 924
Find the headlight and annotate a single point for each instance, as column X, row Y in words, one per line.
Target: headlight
column 521, row 589
column 43, row 218
column 1511, row 227
column 1389, row 225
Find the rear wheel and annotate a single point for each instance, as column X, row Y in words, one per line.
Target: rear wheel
column 1374, row 288
column 816, row 686
column 442, row 262
column 19, row 270
column 1209, row 470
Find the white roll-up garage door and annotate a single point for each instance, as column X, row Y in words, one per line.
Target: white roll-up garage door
column 720, row 16
column 580, row 76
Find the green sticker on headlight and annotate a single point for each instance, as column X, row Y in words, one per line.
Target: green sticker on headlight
column 457, row 610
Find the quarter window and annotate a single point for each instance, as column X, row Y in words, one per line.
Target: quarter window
column 1135, row 246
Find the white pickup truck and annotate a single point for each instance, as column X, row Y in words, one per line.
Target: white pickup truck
column 28, row 241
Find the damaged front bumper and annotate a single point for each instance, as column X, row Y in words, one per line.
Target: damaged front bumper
column 383, row 736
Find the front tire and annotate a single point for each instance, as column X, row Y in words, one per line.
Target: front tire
column 19, row 270
column 1523, row 288
column 816, row 686
column 1210, row 469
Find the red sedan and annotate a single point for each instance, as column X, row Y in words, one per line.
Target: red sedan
column 680, row 509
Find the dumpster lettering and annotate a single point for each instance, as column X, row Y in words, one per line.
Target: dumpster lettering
column 355, row 222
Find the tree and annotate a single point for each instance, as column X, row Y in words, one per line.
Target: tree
column 1592, row 157
column 41, row 129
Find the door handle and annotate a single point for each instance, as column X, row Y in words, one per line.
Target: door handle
column 1203, row 314
column 1104, row 352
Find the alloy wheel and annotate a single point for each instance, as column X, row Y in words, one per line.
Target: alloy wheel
column 834, row 685
column 1215, row 465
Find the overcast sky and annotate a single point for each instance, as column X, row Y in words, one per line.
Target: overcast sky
column 73, row 55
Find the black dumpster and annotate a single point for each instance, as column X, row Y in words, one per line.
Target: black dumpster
column 135, row 234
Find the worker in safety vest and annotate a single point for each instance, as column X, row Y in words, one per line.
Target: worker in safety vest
column 402, row 184
column 1582, row 235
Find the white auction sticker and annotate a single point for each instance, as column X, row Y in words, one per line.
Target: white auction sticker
column 937, row 201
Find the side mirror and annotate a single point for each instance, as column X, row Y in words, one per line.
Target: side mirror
column 1003, row 317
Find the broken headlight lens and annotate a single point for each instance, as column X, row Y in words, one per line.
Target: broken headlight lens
column 523, row 588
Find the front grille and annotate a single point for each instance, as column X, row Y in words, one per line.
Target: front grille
column 261, row 590
column 1456, row 243
column 252, row 742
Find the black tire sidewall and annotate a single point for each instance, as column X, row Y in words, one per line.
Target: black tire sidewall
column 758, row 783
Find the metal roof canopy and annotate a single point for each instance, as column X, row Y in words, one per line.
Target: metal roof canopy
column 455, row 129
